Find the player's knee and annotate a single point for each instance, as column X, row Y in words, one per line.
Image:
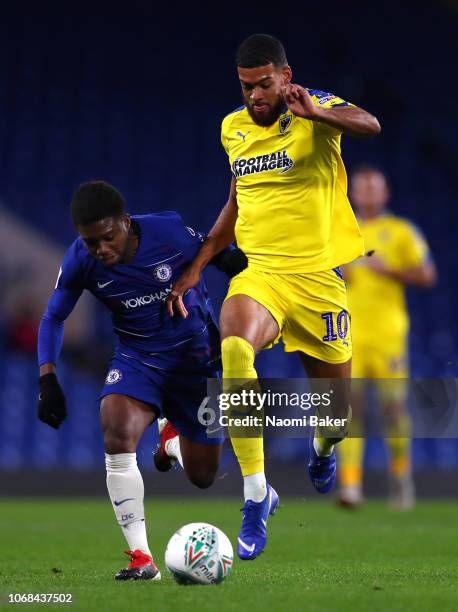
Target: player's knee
column 116, row 441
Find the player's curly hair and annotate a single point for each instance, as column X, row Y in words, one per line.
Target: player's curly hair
column 94, row 201
column 260, row 50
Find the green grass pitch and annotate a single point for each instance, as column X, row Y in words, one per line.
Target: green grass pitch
column 318, row 557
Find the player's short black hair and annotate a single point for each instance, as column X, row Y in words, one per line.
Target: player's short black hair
column 94, row 201
column 260, row 50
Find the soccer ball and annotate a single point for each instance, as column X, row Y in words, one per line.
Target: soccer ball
column 199, row 553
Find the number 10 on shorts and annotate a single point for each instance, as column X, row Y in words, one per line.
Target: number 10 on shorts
column 341, row 324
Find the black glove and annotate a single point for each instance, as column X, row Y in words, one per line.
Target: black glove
column 51, row 401
column 230, row 261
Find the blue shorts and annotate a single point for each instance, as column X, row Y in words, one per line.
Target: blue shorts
column 174, row 382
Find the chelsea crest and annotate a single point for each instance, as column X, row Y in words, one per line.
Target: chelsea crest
column 162, row 272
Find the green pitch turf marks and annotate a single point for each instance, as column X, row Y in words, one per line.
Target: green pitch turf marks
column 318, row 557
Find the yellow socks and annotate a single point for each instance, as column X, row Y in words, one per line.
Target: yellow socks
column 399, row 443
column 324, row 439
column 351, row 463
column 351, row 453
column 238, row 363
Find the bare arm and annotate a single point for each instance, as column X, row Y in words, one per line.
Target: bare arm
column 424, row 275
column 219, row 237
column 221, row 234
column 350, row 120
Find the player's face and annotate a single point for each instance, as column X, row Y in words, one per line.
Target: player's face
column 261, row 88
column 369, row 193
column 108, row 239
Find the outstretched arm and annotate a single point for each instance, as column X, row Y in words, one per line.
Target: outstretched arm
column 221, row 234
column 51, row 401
column 219, row 237
column 350, row 120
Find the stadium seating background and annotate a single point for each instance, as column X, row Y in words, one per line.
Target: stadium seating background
column 137, row 96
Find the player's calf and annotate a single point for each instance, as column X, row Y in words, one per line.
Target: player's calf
column 200, row 461
column 200, row 476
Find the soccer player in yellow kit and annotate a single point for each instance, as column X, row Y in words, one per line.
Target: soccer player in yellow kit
column 380, row 325
column 288, row 211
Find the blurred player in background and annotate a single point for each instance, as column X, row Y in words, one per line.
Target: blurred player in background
column 289, row 213
column 380, row 325
column 160, row 365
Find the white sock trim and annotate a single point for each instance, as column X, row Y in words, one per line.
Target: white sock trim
column 126, row 491
column 172, row 448
column 135, row 534
column 255, row 487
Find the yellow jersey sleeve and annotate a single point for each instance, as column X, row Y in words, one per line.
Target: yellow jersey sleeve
column 224, row 127
column 415, row 248
column 325, row 99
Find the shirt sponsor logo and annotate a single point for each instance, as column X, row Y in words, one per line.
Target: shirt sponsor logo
column 162, row 272
column 262, row 163
column 113, row 376
column 325, row 99
column 146, row 300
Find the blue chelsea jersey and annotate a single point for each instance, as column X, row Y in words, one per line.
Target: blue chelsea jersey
column 135, row 292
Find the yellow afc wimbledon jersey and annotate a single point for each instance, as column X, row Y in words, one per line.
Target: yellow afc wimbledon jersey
column 376, row 302
column 293, row 211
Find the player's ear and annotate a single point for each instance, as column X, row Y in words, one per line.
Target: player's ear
column 287, row 75
column 127, row 221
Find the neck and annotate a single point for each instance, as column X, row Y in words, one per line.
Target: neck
column 132, row 244
column 369, row 216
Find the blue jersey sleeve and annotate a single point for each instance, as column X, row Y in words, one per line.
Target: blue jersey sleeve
column 69, row 286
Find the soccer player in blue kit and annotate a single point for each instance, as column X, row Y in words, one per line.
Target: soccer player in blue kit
column 161, row 363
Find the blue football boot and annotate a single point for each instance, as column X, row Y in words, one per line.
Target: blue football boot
column 253, row 532
column 322, row 470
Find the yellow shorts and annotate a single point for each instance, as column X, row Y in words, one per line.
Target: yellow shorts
column 310, row 309
column 386, row 363
column 379, row 362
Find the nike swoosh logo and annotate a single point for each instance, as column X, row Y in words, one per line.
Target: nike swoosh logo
column 118, row 503
column 102, row 285
column 212, row 431
column 249, row 549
